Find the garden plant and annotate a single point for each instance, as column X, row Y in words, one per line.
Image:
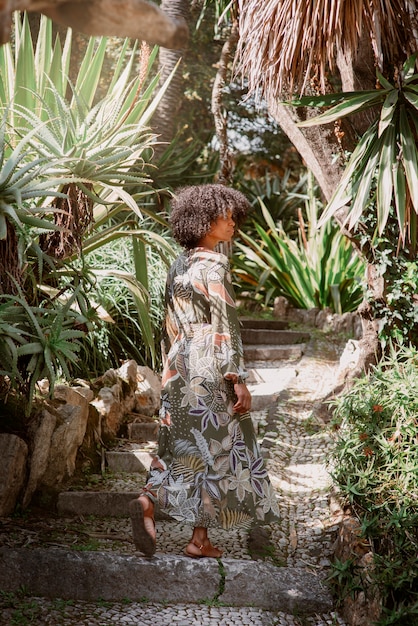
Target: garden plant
column 56, row 141
column 375, row 466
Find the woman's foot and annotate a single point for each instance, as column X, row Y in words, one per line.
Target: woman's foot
column 197, row 550
column 141, row 511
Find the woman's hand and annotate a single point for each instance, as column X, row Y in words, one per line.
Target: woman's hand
column 243, row 403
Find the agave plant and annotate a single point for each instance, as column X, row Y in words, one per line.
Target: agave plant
column 37, row 342
column 88, row 154
column 21, row 183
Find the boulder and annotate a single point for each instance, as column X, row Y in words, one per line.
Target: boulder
column 41, row 446
column 109, row 406
column 13, row 461
column 148, row 391
column 72, row 417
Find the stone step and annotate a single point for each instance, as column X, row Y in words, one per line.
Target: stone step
column 266, row 384
column 143, row 431
column 163, row 578
column 268, row 353
column 129, row 461
column 273, row 337
column 100, row 503
column 259, row 323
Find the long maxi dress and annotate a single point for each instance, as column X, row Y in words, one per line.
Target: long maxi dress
column 208, row 470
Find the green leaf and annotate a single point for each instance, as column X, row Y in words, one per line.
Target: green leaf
column 90, row 69
column 358, row 161
column 388, row 110
column 365, row 177
column 25, row 76
column 399, row 187
column 387, row 161
column 409, row 156
column 351, row 104
column 409, row 67
column 384, row 82
column 411, row 97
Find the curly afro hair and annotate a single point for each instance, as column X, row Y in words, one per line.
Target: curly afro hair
column 195, row 208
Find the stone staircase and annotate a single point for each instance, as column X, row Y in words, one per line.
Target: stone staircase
column 268, row 341
column 116, row 573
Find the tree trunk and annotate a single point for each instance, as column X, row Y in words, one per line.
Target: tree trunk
column 219, row 114
column 163, row 121
column 318, row 146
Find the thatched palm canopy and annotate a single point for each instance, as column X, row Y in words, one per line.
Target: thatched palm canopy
column 290, row 45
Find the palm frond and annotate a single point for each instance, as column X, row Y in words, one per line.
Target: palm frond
column 285, row 43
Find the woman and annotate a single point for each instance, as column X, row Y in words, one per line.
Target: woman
column 208, row 471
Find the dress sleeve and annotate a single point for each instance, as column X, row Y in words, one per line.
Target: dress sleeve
column 169, row 330
column 227, row 342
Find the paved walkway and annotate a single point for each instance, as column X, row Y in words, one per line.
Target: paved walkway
column 295, row 441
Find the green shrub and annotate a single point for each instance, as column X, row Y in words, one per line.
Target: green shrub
column 319, row 269
column 375, row 465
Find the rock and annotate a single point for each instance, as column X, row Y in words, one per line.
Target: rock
column 67, row 438
column 128, row 372
column 76, row 396
column 109, row 407
column 40, row 453
column 304, row 316
column 148, row 391
column 131, row 388
column 281, row 308
column 349, row 361
column 288, row 589
column 324, row 319
column 76, row 575
column 13, row 459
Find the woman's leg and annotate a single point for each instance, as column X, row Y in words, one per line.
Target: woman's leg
column 141, row 511
column 200, row 545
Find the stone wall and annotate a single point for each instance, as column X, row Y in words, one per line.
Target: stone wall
column 362, row 603
column 70, row 429
column 323, row 319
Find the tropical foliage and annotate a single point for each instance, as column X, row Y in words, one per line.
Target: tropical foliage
column 89, row 156
column 383, row 170
column 319, row 269
column 292, row 48
column 374, row 465
column 281, row 195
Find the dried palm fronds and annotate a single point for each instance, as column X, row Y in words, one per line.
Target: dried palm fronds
column 74, row 216
column 285, row 43
column 10, row 264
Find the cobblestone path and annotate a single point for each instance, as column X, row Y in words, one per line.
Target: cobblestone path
column 295, row 442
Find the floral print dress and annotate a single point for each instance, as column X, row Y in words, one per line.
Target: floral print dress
column 208, row 471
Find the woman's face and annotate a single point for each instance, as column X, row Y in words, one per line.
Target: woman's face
column 223, row 228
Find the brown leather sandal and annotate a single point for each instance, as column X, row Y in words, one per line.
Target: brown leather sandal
column 207, row 550
column 144, row 542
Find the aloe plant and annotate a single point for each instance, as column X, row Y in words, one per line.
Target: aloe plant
column 89, row 156
column 37, row 342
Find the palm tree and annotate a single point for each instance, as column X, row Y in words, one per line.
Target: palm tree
column 311, row 48
column 169, row 59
